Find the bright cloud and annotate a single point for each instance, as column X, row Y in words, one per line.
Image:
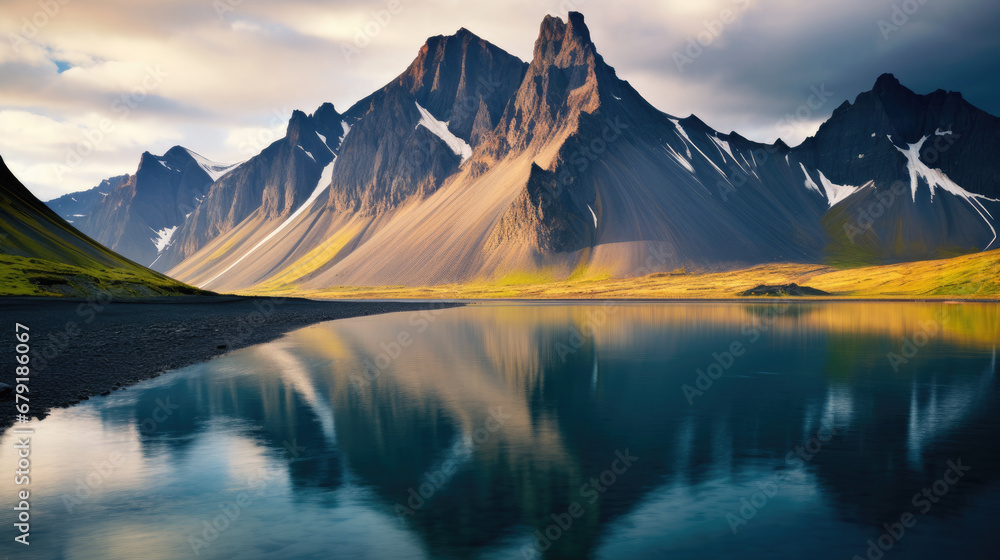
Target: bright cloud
column 222, row 76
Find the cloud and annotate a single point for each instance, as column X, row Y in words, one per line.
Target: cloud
column 231, row 71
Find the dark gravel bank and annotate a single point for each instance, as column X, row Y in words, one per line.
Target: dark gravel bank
column 83, row 348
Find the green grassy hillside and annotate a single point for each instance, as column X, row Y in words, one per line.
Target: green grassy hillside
column 42, row 255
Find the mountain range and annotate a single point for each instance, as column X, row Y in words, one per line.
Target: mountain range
column 42, row 254
column 473, row 164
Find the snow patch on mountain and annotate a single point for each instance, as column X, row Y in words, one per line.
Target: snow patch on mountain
column 346, row 127
column 308, row 153
column 940, row 132
column 833, row 192
column 683, row 134
column 836, row 193
column 162, row 239
column 935, row 178
column 810, row 184
column 750, row 167
column 325, row 178
column 680, row 159
column 724, row 145
column 214, row 169
column 440, row 129
column 592, row 214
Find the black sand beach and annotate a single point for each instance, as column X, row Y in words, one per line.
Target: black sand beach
column 84, row 348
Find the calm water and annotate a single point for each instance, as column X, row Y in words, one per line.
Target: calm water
column 496, row 431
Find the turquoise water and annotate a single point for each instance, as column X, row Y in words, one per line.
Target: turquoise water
column 518, row 431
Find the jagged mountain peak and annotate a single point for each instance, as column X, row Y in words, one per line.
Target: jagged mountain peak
column 566, row 77
column 326, row 112
column 175, row 159
column 692, row 122
column 558, row 162
column 296, row 123
column 565, row 44
column 302, row 127
column 887, row 83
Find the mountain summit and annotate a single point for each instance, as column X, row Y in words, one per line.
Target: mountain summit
column 473, row 165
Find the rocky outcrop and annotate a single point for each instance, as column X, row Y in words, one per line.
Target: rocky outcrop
column 136, row 217
column 271, row 185
column 459, row 82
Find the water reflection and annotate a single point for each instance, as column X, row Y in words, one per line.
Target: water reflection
column 463, row 433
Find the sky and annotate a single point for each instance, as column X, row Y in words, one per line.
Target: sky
column 86, row 86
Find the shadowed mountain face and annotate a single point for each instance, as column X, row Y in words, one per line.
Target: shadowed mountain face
column 933, row 188
column 74, row 206
column 42, row 254
column 269, row 186
column 137, row 215
column 473, row 165
column 414, row 133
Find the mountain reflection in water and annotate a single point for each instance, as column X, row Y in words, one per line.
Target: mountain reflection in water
column 463, row 432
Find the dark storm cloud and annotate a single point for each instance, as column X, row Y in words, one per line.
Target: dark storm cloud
column 237, row 67
column 772, row 56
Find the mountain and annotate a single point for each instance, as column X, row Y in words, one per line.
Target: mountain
column 565, row 167
column 137, row 215
column 41, row 254
column 78, row 205
column 473, row 165
column 263, row 192
column 934, row 184
column 434, row 114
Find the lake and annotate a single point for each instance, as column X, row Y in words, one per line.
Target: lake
column 640, row 430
